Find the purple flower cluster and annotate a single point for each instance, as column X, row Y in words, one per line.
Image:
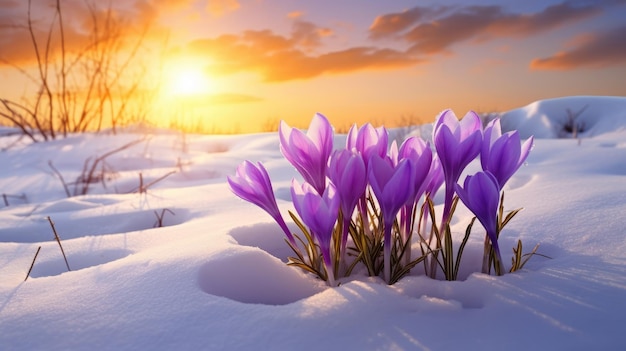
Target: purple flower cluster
column 370, row 191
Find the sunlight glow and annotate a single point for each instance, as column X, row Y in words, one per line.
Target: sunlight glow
column 187, row 81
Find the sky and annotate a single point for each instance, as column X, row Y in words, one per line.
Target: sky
column 241, row 66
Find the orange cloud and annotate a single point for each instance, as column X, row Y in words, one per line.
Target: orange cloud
column 279, row 58
column 599, row 50
column 308, row 35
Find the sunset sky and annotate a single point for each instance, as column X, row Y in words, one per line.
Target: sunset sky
column 243, row 65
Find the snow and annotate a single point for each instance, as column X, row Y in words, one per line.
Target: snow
column 213, row 277
column 545, row 119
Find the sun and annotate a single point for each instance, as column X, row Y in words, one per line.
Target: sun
column 187, row 81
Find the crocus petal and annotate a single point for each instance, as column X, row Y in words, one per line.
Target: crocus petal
column 412, row 146
column 391, row 186
column 481, row 195
column 347, row 171
column 447, row 118
column 252, row 183
column 505, row 157
column 490, row 135
column 400, row 187
column 380, row 170
column 457, row 144
column 308, row 153
column 502, row 154
column 469, row 124
column 421, row 168
column 320, row 132
column 469, row 149
column 419, row 152
column 526, row 147
column 447, row 146
column 435, row 176
column 394, row 153
column 368, row 141
column 318, row 212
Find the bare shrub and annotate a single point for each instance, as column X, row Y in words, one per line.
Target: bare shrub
column 159, row 217
column 6, row 197
column 94, row 171
column 81, row 90
column 571, row 127
column 143, row 187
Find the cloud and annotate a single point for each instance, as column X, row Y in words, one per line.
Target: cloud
column 551, row 17
column 391, row 24
column 437, row 36
column 278, row 58
column 435, row 30
column 597, row 50
column 308, row 35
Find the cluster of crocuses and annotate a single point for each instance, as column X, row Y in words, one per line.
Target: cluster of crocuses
column 359, row 204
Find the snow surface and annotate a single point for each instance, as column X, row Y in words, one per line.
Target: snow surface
column 213, row 278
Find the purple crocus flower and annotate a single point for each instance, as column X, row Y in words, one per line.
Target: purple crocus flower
column 393, row 186
column 481, row 195
column 368, row 141
column 435, row 177
column 419, row 152
column 319, row 213
column 347, row 171
column 308, row 153
column 503, row 154
column 252, row 183
column 457, row 144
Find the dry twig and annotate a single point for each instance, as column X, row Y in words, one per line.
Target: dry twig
column 56, row 236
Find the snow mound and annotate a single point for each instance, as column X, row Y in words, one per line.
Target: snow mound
column 592, row 116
